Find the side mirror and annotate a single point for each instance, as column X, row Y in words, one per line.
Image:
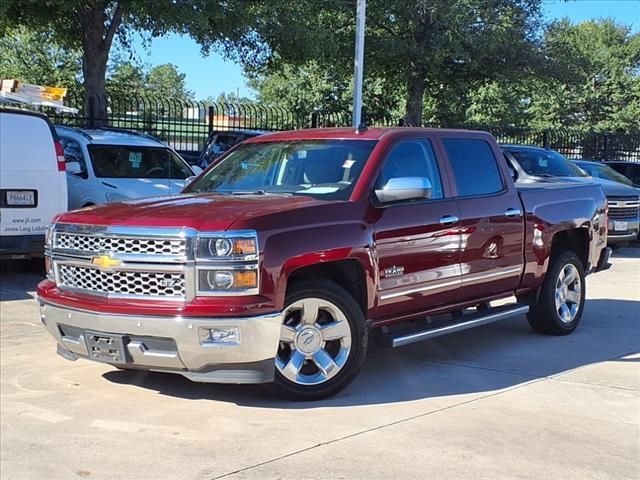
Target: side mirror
column 74, row 168
column 196, row 169
column 404, row 188
column 190, row 179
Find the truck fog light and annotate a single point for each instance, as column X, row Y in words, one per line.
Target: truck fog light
column 220, row 280
column 220, row 336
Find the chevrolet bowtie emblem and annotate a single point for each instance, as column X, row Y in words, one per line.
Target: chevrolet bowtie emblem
column 105, row 261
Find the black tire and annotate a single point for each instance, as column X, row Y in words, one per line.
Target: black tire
column 337, row 295
column 543, row 316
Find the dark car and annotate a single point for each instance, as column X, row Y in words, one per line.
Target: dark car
column 219, row 141
column 630, row 170
column 602, row 170
column 531, row 164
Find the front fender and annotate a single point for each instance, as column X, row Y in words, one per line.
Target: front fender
column 287, row 251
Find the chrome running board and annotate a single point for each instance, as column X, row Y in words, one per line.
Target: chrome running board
column 464, row 323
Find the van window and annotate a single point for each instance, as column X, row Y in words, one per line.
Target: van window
column 412, row 158
column 474, row 167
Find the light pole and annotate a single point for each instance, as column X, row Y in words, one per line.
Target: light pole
column 358, row 63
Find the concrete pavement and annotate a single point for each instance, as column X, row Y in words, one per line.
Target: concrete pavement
column 496, row 402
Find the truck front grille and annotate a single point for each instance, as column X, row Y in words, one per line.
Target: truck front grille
column 97, row 244
column 115, row 283
column 623, row 207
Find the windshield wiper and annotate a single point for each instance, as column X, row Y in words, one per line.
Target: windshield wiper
column 260, row 192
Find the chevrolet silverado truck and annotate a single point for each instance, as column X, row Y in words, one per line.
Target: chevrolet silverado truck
column 280, row 261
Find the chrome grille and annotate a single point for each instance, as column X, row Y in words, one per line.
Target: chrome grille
column 131, row 245
column 150, row 284
column 623, row 207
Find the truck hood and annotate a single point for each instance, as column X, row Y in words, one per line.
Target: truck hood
column 203, row 212
column 142, row 187
column 610, row 188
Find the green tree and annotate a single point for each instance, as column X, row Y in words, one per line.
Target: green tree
column 126, row 79
column 596, row 79
column 419, row 47
column 92, row 25
column 35, row 56
column 165, row 81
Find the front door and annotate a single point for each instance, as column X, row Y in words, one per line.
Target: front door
column 417, row 250
column 491, row 220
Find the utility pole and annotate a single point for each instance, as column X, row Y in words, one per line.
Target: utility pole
column 358, row 63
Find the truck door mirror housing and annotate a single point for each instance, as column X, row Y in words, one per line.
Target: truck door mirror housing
column 404, row 188
column 196, row 169
column 74, row 168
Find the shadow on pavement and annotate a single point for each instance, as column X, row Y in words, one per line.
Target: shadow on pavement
column 19, row 277
column 475, row 361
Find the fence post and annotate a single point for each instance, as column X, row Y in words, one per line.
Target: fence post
column 91, row 112
column 605, row 145
column 210, row 113
column 314, row 119
column 545, row 139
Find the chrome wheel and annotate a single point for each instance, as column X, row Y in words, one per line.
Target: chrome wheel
column 315, row 341
column 568, row 293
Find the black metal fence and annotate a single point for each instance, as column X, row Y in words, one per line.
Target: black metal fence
column 186, row 124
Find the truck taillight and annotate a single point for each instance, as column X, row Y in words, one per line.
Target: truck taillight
column 60, row 156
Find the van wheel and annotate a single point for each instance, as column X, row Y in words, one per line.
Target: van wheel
column 561, row 301
column 323, row 341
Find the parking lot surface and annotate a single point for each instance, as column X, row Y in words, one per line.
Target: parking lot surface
column 495, row 402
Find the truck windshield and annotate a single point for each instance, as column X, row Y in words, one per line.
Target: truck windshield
column 120, row 161
column 321, row 168
column 546, row 163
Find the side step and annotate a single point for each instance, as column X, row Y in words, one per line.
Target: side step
column 465, row 322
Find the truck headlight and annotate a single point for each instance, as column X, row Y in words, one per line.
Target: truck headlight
column 231, row 281
column 228, row 246
column 48, row 237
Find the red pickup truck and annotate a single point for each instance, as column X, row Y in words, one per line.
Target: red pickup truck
column 284, row 258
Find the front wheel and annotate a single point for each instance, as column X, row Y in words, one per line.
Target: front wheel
column 323, row 341
column 561, row 301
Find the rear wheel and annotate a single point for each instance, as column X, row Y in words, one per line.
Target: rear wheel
column 561, row 301
column 323, row 341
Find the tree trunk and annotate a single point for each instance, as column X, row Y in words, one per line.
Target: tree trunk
column 418, row 69
column 416, row 86
column 97, row 39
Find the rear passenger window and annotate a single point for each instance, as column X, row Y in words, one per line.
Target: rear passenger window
column 474, row 167
column 414, row 158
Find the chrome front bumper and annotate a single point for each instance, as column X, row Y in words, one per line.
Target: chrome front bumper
column 173, row 344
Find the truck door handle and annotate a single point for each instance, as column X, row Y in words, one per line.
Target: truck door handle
column 449, row 220
column 512, row 212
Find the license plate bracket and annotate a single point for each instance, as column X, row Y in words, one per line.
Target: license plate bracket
column 106, row 347
column 620, row 226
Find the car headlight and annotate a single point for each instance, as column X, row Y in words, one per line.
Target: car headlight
column 227, row 263
column 115, row 197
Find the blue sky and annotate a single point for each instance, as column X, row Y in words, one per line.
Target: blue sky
column 208, row 76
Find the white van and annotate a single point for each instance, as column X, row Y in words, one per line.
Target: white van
column 33, row 182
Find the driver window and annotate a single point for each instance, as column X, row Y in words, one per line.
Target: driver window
column 412, row 158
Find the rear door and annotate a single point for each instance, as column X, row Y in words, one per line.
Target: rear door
column 417, row 251
column 33, row 187
column 491, row 217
